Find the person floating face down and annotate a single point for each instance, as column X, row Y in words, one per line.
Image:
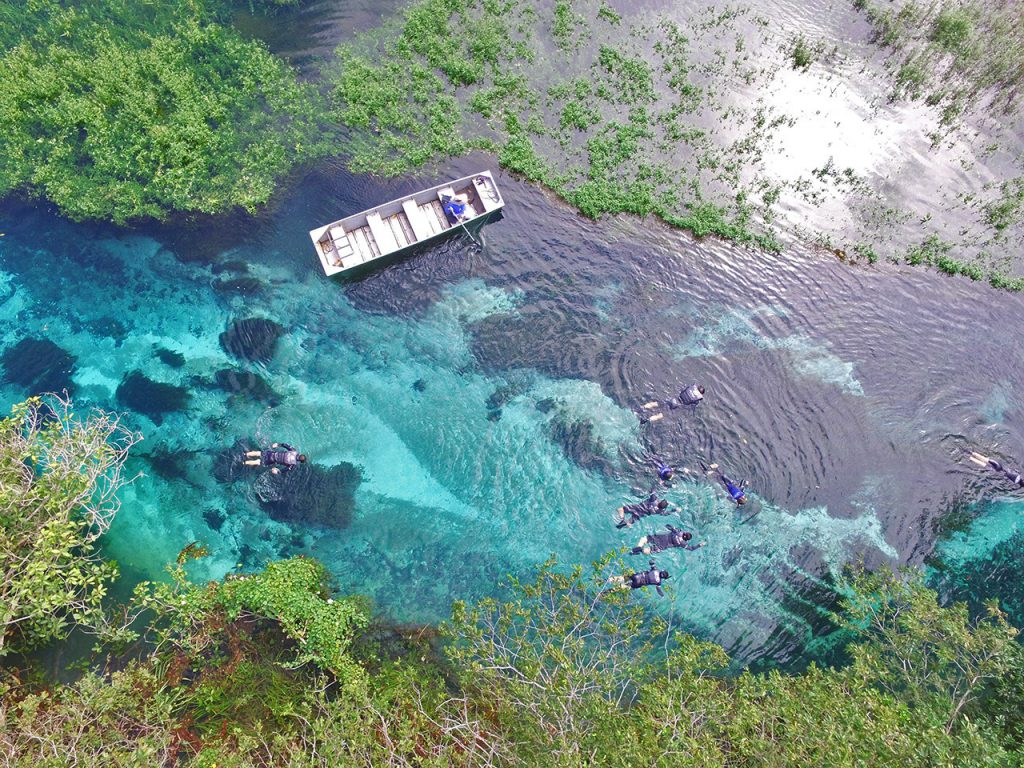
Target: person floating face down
column 280, row 457
column 985, row 461
column 455, row 208
column 649, row 578
column 736, row 490
column 688, row 396
column 653, row 543
column 652, row 505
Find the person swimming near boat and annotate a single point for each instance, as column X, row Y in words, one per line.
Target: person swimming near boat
column 455, row 207
column 688, row 396
column 985, row 461
column 736, row 490
column 649, row 578
column 653, row 543
column 652, row 505
column 280, row 457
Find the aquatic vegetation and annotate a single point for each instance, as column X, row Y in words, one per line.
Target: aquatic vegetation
column 603, row 141
column 954, row 54
column 253, row 339
column 801, row 54
column 1008, row 209
column 115, row 112
column 313, row 495
column 39, row 366
column 246, row 385
column 152, row 398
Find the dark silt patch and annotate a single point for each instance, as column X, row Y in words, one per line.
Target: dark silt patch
column 151, row 398
column 170, row 357
column 39, row 366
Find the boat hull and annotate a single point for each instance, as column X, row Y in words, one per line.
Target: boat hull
column 370, row 238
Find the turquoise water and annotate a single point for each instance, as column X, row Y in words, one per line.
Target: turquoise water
column 468, row 411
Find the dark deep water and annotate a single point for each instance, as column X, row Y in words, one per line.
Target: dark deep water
column 468, row 411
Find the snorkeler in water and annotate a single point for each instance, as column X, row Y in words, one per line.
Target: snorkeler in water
column 736, row 490
column 280, row 456
column 659, row 542
column 649, row 578
column 985, row 461
column 652, row 505
column 688, row 396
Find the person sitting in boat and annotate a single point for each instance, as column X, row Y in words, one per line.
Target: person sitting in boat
column 985, row 461
column 690, row 396
column 659, row 542
column 281, row 456
column 649, row 578
column 652, row 505
column 455, row 208
column 736, row 490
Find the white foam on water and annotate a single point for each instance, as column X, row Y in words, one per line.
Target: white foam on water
column 808, row 357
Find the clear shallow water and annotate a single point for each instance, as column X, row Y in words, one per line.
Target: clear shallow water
column 486, row 395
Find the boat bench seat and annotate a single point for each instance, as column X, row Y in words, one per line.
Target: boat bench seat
column 386, row 242
column 420, row 226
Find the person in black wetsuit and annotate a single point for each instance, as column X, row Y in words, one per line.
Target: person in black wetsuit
column 736, row 490
column 653, row 543
column 281, row 456
column 652, row 505
column 649, row 578
column 985, row 461
column 688, row 396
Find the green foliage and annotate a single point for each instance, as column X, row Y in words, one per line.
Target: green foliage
column 1008, row 209
column 955, row 54
column 58, row 479
column 561, row 672
column 801, row 54
column 938, row 660
column 292, row 593
column 111, row 122
column 632, row 78
column 952, row 29
column 609, row 14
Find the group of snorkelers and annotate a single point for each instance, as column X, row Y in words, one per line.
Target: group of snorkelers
column 675, row 538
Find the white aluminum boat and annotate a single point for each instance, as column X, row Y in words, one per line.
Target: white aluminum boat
column 378, row 233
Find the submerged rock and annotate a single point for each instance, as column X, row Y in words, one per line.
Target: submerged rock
column 419, row 385
column 312, row 495
column 170, row 357
column 151, row 398
column 214, row 518
column 40, row 366
column 253, row 339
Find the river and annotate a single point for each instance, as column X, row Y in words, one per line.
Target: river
column 485, row 396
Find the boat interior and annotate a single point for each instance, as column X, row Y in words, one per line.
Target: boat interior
column 397, row 225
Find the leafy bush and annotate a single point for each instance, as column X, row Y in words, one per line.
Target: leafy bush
column 59, row 476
